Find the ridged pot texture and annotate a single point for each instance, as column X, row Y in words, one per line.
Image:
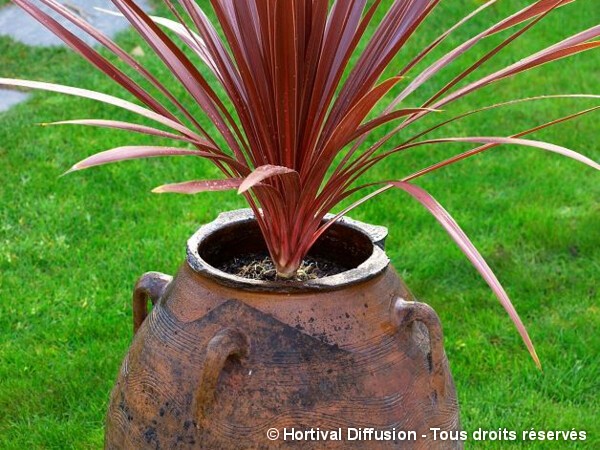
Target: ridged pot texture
column 221, row 363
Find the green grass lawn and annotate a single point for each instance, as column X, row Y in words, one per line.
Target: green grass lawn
column 71, row 248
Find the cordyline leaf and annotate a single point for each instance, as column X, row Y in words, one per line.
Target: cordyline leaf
column 133, row 127
column 388, row 110
column 445, row 60
column 485, row 147
column 182, row 68
column 93, row 57
column 135, row 152
column 121, row 54
column 490, row 140
column 498, row 105
column 341, row 135
column 338, row 43
column 351, row 121
column 191, row 39
column 525, row 14
column 194, row 187
column 262, row 173
column 489, row 55
column 285, row 88
column 526, row 142
column 363, row 130
column 104, row 98
column 328, row 204
column 218, row 56
column 213, row 52
column 381, row 120
column 254, row 80
column 317, row 18
column 567, row 47
column 441, row 38
column 394, row 29
column 467, row 247
column 537, row 8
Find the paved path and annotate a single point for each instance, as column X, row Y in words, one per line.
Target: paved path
column 9, row 98
column 17, row 24
column 21, row 27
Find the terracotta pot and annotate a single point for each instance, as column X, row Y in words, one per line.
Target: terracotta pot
column 221, row 360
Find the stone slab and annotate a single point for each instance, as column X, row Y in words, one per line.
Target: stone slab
column 20, row 26
column 9, row 98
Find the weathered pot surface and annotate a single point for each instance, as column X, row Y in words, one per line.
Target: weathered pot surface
column 221, row 361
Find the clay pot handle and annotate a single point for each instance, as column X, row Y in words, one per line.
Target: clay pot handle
column 151, row 286
column 225, row 344
column 405, row 313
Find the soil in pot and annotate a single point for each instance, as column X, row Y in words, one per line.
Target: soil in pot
column 259, row 266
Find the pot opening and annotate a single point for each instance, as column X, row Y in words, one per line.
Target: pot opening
column 341, row 248
column 355, row 247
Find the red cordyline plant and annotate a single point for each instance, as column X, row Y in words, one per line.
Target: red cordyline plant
column 291, row 113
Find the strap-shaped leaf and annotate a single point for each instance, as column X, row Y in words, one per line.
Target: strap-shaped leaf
column 133, row 127
column 183, row 69
column 194, row 187
column 467, row 247
column 348, row 125
column 531, row 143
column 485, row 147
column 262, row 173
column 104, row 98
column 191, row 39
column 94, row 57
column 521, row 16
column 491, row 140
column 511, row 140
column 538, row 8
column 567, row 47
column 136, row 152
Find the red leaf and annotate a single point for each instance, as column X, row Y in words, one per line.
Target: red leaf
column 342, row 133
column 381, row 120
column 444, row 61
column 527, row 142
column 183, row 69
column 91, row 55
column 499, row 105
column 262, row 173
column 539, row 7
column 133, row 127
column 194, row 187
column 567, row 47
column 485, row 147
column 134, row 152
column 104, row 98
column 463, row 242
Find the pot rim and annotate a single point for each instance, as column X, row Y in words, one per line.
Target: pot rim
column 374, row 265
